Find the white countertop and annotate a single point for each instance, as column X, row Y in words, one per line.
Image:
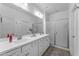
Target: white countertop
column 5, row 45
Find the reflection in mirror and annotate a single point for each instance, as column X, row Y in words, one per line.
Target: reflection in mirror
column 17, row 22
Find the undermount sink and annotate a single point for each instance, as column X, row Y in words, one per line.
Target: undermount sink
column 31, row 36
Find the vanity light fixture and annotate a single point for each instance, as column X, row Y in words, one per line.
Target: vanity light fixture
column 38, row 14
column 22, row 5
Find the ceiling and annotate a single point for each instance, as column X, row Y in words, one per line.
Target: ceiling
column 51, row 8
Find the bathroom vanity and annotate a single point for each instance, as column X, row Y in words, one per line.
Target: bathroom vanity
column 27, row 46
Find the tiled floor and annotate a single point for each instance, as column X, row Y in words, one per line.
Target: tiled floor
column 56, row 52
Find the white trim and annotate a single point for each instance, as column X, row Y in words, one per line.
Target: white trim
column 44, row 23
column 61, row 48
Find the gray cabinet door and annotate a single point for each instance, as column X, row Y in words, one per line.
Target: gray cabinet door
column 34, row 48
column 42, row 46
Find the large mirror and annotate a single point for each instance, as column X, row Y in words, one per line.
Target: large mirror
column 17, row 21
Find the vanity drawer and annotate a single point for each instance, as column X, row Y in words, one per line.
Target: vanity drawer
column 14, row 52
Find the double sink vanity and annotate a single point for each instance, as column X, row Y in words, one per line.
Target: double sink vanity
column 28, row 45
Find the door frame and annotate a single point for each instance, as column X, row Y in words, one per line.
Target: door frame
column 72, row 9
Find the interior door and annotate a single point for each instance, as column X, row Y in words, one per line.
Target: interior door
column 61, row 33
column 74, row 33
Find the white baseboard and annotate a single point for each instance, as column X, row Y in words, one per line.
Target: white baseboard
column 61, row 48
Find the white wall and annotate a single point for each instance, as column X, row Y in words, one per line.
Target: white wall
column 51, row 23
column 59, row 16
column 15, row 21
